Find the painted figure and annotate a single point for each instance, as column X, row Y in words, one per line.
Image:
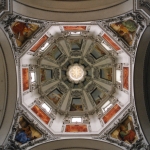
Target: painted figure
column 76, row 105
column 106, row 73
column 126, row 135
column 55, row 53
column 22, row 31
column 76, row 44
column 55, row 96
column 97, row 52
column 126, row 30
column 24, row 135
column 125, row 132
column 46, row 74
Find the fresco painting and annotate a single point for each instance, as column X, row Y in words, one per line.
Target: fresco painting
column 76, row 44
column 46, row 74
column 111, row 113
column 76, row 105
column 126, row 77
column 25, row 78
column 55, row 96
column 97, row 95
column 22, row 31
column 125, row 131
column 97, row 52
column 111, row 42
column 126, row 29
column 39, row 43
column 40, row 114
column 26, row 132
column 55, row 53
column 74, row 28
column 76, row 128
column 106, row 73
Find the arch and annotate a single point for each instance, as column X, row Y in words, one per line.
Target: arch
column 36, row 12
column 76, row 144
column 9, row 88
column 139, row 79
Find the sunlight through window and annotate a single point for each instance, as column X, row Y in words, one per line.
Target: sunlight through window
column 118, row 76
column 106, row 106
column 107, row 47
column 45, row 107
column 76, row 119
column 45, row 46
column 32, row 77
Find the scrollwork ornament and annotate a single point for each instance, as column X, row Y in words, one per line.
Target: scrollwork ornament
column 76, row 53
column 145, row 3
column 56, row 73
column 90, row 87
column 76, row 93
column 62, row 87
column 96, row 73
column 62, row 59
column 90, row 59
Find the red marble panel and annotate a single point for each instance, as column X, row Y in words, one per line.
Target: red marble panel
column 125, row 77
column 112, row 43
column 76, row 128
column 111, row 113
column 40, row 114
column 74, row 28
column 25, row 78
column 39, row 43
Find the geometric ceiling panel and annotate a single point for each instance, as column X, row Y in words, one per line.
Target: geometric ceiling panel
column 75, row 80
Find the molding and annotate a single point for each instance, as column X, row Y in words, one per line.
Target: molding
column 147, row 81
column 64, row 144
column 11, row 86
column 145, row 3
column 139, row 83
column 5, row 8
column 76, row 8
column 62, row 16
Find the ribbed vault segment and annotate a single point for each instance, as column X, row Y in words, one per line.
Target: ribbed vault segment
column 76, row 144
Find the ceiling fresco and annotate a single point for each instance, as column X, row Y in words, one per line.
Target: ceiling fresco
column 75, row 80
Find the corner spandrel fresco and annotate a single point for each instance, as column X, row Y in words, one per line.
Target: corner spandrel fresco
column 125, row 131
column 26, row 132
column 126, row 29
column 22, row 31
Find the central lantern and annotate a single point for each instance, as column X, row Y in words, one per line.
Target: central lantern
column 76, row 73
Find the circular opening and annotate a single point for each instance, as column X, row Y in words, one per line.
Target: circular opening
column 76, row 72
